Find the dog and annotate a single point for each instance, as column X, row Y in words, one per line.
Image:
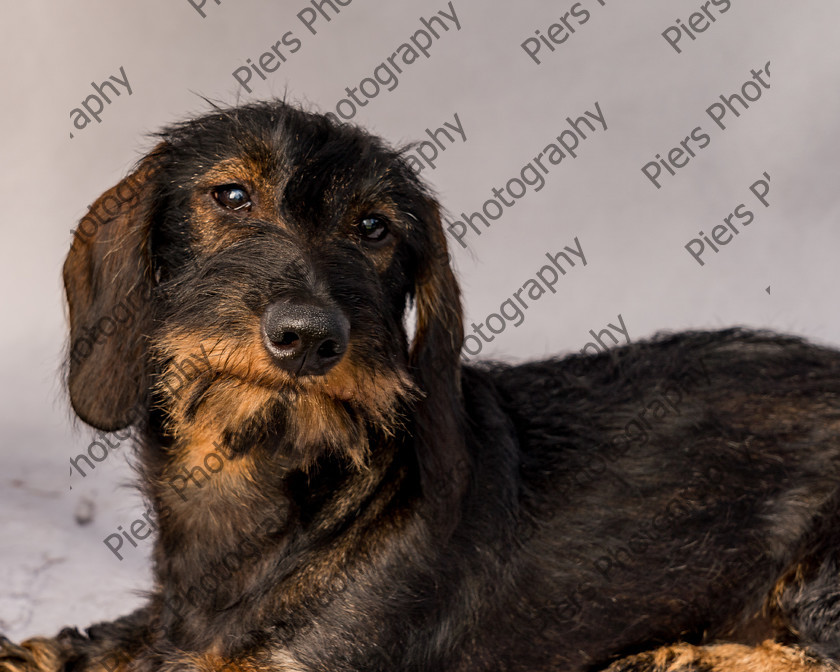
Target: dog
column 334, row 491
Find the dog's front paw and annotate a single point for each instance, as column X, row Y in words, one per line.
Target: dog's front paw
column 38, row 654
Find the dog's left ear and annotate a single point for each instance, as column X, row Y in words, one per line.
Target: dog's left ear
column 435, row 361
column 107, row 279
column 440, row 329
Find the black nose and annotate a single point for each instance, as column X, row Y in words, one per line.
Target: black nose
column 303, row 339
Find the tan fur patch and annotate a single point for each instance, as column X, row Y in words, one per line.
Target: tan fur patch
column 210, row 662
column 766, row 657
column 241, row 383
column 38, row 653
column 201, row 477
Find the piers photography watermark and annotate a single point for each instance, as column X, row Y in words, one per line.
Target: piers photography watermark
column 559, row 182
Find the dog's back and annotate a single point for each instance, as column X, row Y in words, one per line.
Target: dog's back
column 681, row 488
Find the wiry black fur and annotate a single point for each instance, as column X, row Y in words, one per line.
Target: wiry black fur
column 555, row 515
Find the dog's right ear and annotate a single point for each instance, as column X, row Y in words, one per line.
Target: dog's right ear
column 107, row 279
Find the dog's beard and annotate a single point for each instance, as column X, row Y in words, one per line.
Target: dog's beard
column 230, row 393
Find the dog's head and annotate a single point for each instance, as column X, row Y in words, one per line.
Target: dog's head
column 249, row 282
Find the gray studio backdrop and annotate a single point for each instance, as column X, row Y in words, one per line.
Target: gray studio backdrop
column 686, row 151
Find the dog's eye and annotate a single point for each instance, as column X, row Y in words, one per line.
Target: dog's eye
column 232, row 197
column 373, row 229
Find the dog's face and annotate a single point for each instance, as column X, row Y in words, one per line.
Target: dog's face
column 253, row 274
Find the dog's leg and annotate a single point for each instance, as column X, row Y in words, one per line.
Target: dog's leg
column 44, row 654
column 767, row 657
column 106, row 647
column 38, row 653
